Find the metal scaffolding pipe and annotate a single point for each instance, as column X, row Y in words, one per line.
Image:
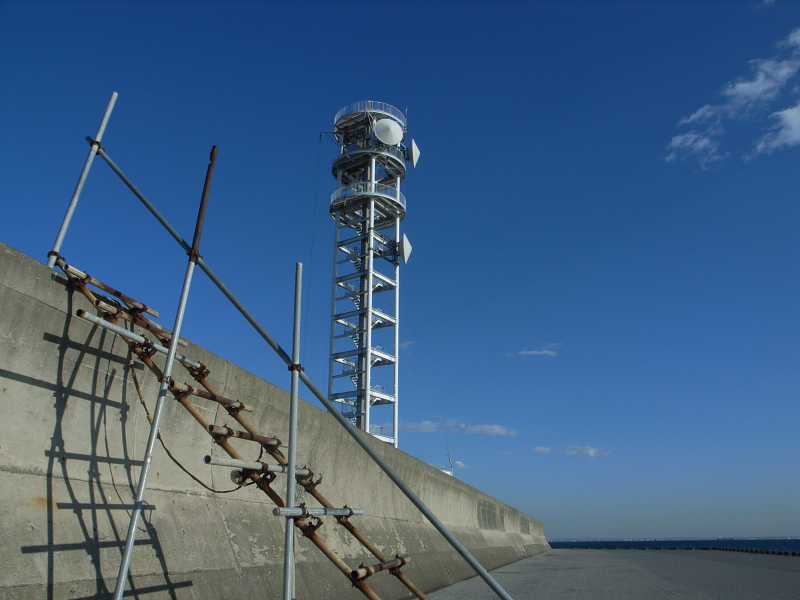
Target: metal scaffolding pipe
column 162, row 392
column 122, row 313
column 86, row 278
column 250, row 465
column 182, row 388
column 364, row 571
column 352, row 431
column 316, row 512
column 135, row 337
column 291, row 465
column 62, row 232
column 243, row 435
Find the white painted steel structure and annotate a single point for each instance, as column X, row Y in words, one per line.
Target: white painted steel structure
column 363, row 371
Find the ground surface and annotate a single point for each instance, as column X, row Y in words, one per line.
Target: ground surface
column 646, row 574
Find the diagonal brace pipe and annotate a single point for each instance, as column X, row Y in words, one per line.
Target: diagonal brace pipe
column 354, row 433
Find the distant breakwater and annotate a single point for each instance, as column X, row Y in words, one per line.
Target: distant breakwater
column 777, row 546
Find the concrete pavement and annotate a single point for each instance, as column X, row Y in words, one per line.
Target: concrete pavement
column 646, row 574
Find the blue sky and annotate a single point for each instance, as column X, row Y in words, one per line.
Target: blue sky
column 600, row 315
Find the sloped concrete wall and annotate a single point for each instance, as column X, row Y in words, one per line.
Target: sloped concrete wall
column 72, row 435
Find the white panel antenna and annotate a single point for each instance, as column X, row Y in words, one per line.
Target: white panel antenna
column 405, row 249
column 413, row 153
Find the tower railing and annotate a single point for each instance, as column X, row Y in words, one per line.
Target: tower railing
column 394, row 151
column 362, row 188
column 372, row 107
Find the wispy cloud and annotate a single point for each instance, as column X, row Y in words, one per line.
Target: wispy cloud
column 545, row 350
column 434, row 426
column 460, row 465
column 786, row 132
column 490, row 430
column 571, row 451
column 585, row 452
column 422, row 427
column 752, row 98
column 702, row 145
column 404, row 345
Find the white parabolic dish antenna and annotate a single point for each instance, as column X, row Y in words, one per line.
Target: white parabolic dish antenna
column 389, row 132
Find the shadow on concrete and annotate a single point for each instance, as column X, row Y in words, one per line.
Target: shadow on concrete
column 99, row 510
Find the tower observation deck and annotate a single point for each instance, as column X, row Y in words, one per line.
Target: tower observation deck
column 367, row 208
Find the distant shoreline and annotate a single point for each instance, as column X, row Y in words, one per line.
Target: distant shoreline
column 776, row 544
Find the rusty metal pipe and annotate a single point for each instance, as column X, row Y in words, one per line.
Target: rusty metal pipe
column 243, row 435
column 311, row 489
column 362, row 539
column 155, row 328
column 338, row 562
column 87, row 293
column 159, row 408
column 133, row 336
column 201, row 215
column 72, row 271
column 316, row 512
column 362, row 571
column 182, row 388
column 262, row 484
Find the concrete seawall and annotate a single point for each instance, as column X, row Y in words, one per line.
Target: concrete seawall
column 72, row 436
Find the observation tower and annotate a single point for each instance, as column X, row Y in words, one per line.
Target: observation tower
column 367, row 208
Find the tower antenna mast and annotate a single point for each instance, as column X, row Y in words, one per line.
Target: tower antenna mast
column 367, row 208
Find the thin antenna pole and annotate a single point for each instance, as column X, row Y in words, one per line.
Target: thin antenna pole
column 51, row 256
column 194, row 256
column 295, row 368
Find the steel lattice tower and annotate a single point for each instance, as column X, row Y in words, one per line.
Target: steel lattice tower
column 368, row 165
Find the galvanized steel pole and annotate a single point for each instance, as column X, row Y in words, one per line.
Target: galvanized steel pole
column 354, row 433
column 134, row 337
column 162, row 392
column 288, row 558
column 51, row 257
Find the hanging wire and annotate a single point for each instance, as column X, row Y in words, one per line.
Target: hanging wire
column 132, row 371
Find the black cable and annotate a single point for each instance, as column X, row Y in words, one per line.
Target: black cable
column 175, row 460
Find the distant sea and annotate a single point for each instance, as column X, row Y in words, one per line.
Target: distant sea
column 788, row 544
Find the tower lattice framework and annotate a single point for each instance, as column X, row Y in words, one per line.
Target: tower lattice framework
column 367, row 208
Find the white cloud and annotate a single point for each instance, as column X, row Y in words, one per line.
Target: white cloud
column 585, row 452
column 490, row 430
column 513, row 452
column 434, row 426
column 793, row 39
column 545, row 350
column 423, row 427
column 770, row 76
column 702, row 145
column 751, row 98
column 785, row 133
column 404, row 345
column 573, row 451
column 460, row 465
